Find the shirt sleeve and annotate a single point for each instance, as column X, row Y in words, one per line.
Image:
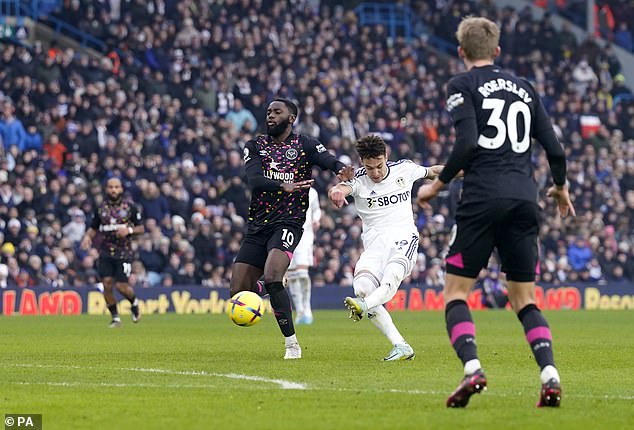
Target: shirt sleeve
column 96, row 220
column 416, row 172
column 461, row 108
column 319, row 155
column 253, row 169
column 137, row 215
column 459, row 100
column 545, row 134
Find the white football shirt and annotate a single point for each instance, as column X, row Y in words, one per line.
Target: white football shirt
column 387, row 206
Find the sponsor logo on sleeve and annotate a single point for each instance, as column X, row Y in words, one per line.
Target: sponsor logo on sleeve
column 454, row 101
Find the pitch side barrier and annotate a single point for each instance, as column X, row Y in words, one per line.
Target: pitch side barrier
column 202, row 300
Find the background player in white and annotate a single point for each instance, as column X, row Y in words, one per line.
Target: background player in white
column 299, row 284
column 382, row 192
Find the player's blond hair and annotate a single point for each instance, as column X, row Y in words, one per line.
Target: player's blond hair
column 478, row 37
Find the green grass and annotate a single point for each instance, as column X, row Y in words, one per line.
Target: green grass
column 180, row 372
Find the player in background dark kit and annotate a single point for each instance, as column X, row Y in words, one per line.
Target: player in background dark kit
column 117, row 220
column 495, row 115
column 279, row 169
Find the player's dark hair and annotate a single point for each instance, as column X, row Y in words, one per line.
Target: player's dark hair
column 112, row 176
column 292, row 107
column 371, row 146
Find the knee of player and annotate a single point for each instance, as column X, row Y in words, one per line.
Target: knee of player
column 274, row 273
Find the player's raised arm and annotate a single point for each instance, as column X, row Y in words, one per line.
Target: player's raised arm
column 319, row 156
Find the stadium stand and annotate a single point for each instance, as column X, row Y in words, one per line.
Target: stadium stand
column 182, row 85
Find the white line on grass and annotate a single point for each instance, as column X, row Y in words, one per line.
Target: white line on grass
column 283, row 384
column 289, row 385
column 286, row 385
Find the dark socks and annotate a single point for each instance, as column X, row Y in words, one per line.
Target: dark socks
column 113, row 311
column 537, row 335
column 461, row 330
column 281, row 304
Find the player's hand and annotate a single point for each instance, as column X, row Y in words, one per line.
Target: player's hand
column 346, row 173
column 296, row 186
column 562, row 197
column 428, row 191
column 434, row 171
column 338, row 197
column 122, row 232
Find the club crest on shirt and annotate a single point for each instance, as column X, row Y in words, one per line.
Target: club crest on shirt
column 400, row 182
column 291, row 153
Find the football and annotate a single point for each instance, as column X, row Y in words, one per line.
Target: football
column 245, row 308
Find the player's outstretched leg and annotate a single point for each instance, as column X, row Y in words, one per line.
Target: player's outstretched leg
column 539, row 338
column 381, row 318
column 461, row 332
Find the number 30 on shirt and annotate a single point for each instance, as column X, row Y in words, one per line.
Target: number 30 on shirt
column 507, row 128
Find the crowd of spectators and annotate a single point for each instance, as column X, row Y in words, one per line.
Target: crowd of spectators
column 613, row 19
column 189, row 84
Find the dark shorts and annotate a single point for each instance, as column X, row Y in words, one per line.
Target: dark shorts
column 509, row 225
column 256, row 245
column 117, row 268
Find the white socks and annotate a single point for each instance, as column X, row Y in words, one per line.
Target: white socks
column 299, row 288
column 471, row 366
column 291, row 340
column 381, row 318
column 295, row 290
column 549, row 372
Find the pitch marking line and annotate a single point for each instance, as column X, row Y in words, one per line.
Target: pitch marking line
column 288, row 385
column 283, row 384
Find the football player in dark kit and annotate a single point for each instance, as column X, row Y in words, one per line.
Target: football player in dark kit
column 495, row 115
column 117, row 220
column 279, row 169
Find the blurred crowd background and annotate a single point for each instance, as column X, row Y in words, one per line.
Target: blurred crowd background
column 169, row 110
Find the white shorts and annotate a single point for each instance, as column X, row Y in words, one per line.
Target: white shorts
column 303, row 255
column 379, row 249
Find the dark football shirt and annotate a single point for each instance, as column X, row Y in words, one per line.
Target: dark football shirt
column 508, row 114
column 289, row 161
column 107, row 219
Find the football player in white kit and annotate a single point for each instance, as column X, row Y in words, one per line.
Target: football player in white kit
column 299, row 284
column 382, row 192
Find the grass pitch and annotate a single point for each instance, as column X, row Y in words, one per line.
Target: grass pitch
column 203, row 372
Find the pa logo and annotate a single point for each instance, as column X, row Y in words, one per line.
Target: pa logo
column 291, row 153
